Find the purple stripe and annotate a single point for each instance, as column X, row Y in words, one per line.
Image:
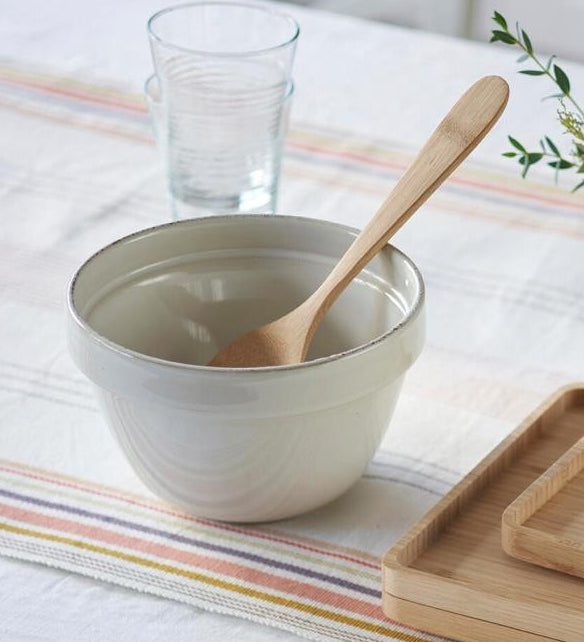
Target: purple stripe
column 361, row 167
column 141, row 118
column 216, row 548
column 81, row 105
column 395, row 480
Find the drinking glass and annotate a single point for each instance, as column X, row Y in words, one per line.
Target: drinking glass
column 223, row 92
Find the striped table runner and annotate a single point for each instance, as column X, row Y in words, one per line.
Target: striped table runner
column 322, row 591
column 502, row 332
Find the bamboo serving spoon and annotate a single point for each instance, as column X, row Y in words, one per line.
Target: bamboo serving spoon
column 286, row 340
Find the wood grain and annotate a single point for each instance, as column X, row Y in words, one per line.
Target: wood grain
column 453, row 561
column 545, row 524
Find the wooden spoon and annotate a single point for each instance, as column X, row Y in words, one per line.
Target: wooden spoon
column 286, row 340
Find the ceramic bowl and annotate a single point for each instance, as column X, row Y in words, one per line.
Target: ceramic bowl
column 147, row 312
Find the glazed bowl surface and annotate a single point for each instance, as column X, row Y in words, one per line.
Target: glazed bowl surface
column 146, row 313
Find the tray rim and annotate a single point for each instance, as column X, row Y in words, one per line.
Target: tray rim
column 443, row 622
column 398, row 575
column 532, row 544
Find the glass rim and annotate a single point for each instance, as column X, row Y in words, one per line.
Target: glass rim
column 222, row 54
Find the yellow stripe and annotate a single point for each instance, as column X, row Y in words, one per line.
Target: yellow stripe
column 217, row 583
column 345, row 141
column 196, row 529
column 17, row 73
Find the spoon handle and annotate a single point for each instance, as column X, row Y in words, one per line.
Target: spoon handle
column 463, row 128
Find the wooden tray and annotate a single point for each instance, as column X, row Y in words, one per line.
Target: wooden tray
column 545, row 524
column 450, row 576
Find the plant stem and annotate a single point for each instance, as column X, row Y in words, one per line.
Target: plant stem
column 550, row 75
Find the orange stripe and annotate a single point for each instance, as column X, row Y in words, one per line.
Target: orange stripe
column 320, row 179
column 448, row 204
column 90, row 126
column 224, row 538
column 506, row 221
column 88, row 96
column 191, row 558
column 217, row 583
column 455, row 178
column 102, row 491
column 133, row 105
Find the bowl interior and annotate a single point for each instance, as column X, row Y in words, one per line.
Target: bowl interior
column 180, row 292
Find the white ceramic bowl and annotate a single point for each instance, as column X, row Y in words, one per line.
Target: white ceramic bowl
column 250, row 444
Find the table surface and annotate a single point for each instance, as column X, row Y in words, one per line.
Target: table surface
column 379, row 84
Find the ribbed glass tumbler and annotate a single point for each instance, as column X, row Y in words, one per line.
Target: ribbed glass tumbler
column 222, row 102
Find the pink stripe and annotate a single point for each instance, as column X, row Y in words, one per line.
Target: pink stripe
column 86, row 97
column 236, row 571
column 90, row 97
column 167, row 511
column 456, row 179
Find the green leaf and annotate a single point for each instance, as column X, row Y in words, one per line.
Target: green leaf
column 532, row 72
column 581, row 184
column 551, row 145
column 498, row 18
column 517, row 144
column 531, row 158
column 527, row 42
column 580, row 170
column 509, row 154
column 561, row 164
column 549, row 62
column 579, row 149
column 562, row 79
column 534, row 157
column 522, row 58
column 552, row 96
column 503, row 36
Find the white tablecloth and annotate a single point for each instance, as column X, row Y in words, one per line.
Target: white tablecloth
column 468, row 390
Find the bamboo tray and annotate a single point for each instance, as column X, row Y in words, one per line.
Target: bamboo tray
column 450, row 576
column 545, row 524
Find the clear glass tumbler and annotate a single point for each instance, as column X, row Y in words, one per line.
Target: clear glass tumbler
column 223, row 71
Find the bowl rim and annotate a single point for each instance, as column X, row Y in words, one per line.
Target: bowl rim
column 134, row 355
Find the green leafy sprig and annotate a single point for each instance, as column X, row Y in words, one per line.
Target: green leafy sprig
column 570, row 114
